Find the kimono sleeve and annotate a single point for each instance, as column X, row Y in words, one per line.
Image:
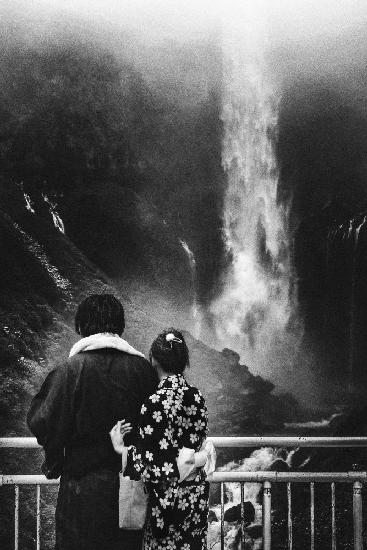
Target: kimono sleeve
column 50, row 416
column 155, row 460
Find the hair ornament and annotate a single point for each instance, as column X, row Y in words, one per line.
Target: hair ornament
column 170, row 338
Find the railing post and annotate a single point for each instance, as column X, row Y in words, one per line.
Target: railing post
column 290, row 523
column 357, row 515
column 222, row 516
column 242, row 517
column 16, row 518
column 38, row 516
column 267, row 515
column 333, row 517
column 312, row 514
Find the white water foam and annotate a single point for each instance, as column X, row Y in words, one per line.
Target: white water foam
column 252, row 313
column 260, row 460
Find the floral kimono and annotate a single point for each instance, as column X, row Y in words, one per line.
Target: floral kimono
column 175, row 416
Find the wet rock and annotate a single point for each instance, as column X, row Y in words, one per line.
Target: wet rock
column 283, row 454
column 261, row 386
column 279, row 465
column 255, row 531
column 214, row 495
column 231, row 356
column 234, row 513
column 212, row 516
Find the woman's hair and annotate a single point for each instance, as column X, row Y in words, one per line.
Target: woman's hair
column 100, row 313
column 170, row 350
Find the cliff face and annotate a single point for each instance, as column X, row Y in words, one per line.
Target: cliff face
column 321, row 152
column 43, row 277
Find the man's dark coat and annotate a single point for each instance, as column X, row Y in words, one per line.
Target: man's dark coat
column 71, row 416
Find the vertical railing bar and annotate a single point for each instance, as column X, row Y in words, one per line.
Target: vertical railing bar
column 267, row 516
column 38, row 543
column 242, row 516
column 290, row 525
column 357, row 515
column 333, row 519
column 16, row 518
column 312, row 514
column 222, row 516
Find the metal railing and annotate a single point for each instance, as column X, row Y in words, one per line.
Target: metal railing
column 295, row 441
column 356, row 479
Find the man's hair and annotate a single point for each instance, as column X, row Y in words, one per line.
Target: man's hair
column 170, row 350
column 100, row 313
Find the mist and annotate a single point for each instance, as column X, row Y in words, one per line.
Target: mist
column 205, row 162
column 315, row 55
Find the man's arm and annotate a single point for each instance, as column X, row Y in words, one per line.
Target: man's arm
column 50, row 417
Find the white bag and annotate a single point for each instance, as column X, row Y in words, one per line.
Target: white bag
column 133, row 501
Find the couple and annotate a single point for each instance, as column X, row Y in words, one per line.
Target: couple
column 107, row 400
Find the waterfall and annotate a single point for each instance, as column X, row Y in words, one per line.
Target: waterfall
column 38, row 252
column 56, row 218
column 195, row 306
column 58, row 223
column 346, row 237
column 27, row 198
column 28, row 203
column 252, row 313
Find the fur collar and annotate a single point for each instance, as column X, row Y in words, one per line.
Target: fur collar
column 101, row 341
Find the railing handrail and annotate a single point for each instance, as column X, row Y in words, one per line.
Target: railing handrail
column 222, row 477
column 266, row 441
column 266, row 478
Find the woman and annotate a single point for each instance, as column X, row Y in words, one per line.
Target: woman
column 173, row 419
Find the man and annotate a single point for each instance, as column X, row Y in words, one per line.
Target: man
column 103, row 380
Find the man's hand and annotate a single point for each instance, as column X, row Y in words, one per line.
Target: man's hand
column 118, row 433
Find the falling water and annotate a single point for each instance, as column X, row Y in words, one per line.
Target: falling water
column 195, row 306
column 254, row 309
column 28, row 203
column 38, row 252
column 349, row 233
column 58, row 223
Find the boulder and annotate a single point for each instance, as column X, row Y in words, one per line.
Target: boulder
column 212, row 517
column 234, row 513
column 214, row 494
column 255, row 531
column 279, row 465
column 231, row 357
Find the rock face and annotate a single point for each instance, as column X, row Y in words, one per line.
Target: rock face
column 45, row 275
column 212, row 517
column 321, row 156
column 130, row 240
column 279, row 465
column 255, row 531
column 238, row 401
